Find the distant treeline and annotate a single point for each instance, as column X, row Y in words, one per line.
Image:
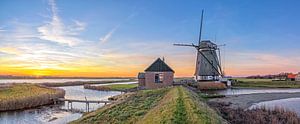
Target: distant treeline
column 270, row 76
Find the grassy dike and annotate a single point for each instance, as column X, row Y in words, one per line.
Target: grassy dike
column 175, row 105
column 112, row 87
column 22, row 96
column 264, row 83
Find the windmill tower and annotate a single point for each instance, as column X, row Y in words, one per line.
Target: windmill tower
column 208, row 62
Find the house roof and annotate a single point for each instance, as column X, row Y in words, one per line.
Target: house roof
column 291, row 75
column 159, row 66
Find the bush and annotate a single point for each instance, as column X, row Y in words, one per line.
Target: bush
column 211, row 86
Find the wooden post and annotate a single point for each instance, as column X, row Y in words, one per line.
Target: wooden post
column 88, row 106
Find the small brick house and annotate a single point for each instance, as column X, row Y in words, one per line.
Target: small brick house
column 297, row 78
column 291, row 77
column 157, row 75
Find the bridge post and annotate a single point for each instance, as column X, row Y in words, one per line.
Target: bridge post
column 88, row 106
column 71, row 105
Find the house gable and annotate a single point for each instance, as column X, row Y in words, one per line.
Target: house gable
column 159, row 66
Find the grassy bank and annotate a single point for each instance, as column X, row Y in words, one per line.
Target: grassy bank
column 169, row 105
column 181, row 106
column 113, row 87
column 130, row 110
column 264, row 83
column 21, row 96
column 75, row 83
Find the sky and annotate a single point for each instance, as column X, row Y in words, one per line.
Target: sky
column 101, row 38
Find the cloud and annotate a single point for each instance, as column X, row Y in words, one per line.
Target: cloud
column 20, row 32
column 10, row 50
column 109, row 34
column 2, row 29
column 56, row 31
column 106, row 37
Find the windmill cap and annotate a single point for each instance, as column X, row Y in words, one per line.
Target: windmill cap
column 207, row 44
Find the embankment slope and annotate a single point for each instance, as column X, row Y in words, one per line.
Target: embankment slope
column 167, row 105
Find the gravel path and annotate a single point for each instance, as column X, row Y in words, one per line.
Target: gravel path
column 246, row 100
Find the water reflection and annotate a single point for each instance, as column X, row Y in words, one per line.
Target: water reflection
column 79, row 93
column 251, row 91
column 291, row 104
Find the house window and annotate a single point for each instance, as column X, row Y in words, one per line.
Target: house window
column 159, row 78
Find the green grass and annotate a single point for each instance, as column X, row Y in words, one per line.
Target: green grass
column 265, row 83
column 175, row 105
column 180, row 114
column 19, row 91
column 129, row 111
column 253, row 80
column 177, row 79
column 121, row 86
column 198, row 112
column 210, row 96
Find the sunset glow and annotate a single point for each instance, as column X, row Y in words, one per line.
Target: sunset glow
column 52, row 38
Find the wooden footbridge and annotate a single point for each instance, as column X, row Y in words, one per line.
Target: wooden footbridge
column 87, row 102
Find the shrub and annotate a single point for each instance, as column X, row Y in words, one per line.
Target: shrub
column 211, row 86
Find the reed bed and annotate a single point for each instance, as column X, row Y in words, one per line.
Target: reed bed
column 260, row 115
column 23, row 96
column 211, row 86
column 113, row 87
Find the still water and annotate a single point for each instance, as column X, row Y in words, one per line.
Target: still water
column 291, row 104
column 58, row 114
column 251, row 91
column 52, row 80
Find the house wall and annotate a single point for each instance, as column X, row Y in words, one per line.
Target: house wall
column 168, row 78
column 141, row 82
column 297, row 77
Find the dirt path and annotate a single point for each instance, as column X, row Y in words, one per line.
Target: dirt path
column 246, row 100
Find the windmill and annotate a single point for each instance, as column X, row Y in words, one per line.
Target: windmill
column 208, row 63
